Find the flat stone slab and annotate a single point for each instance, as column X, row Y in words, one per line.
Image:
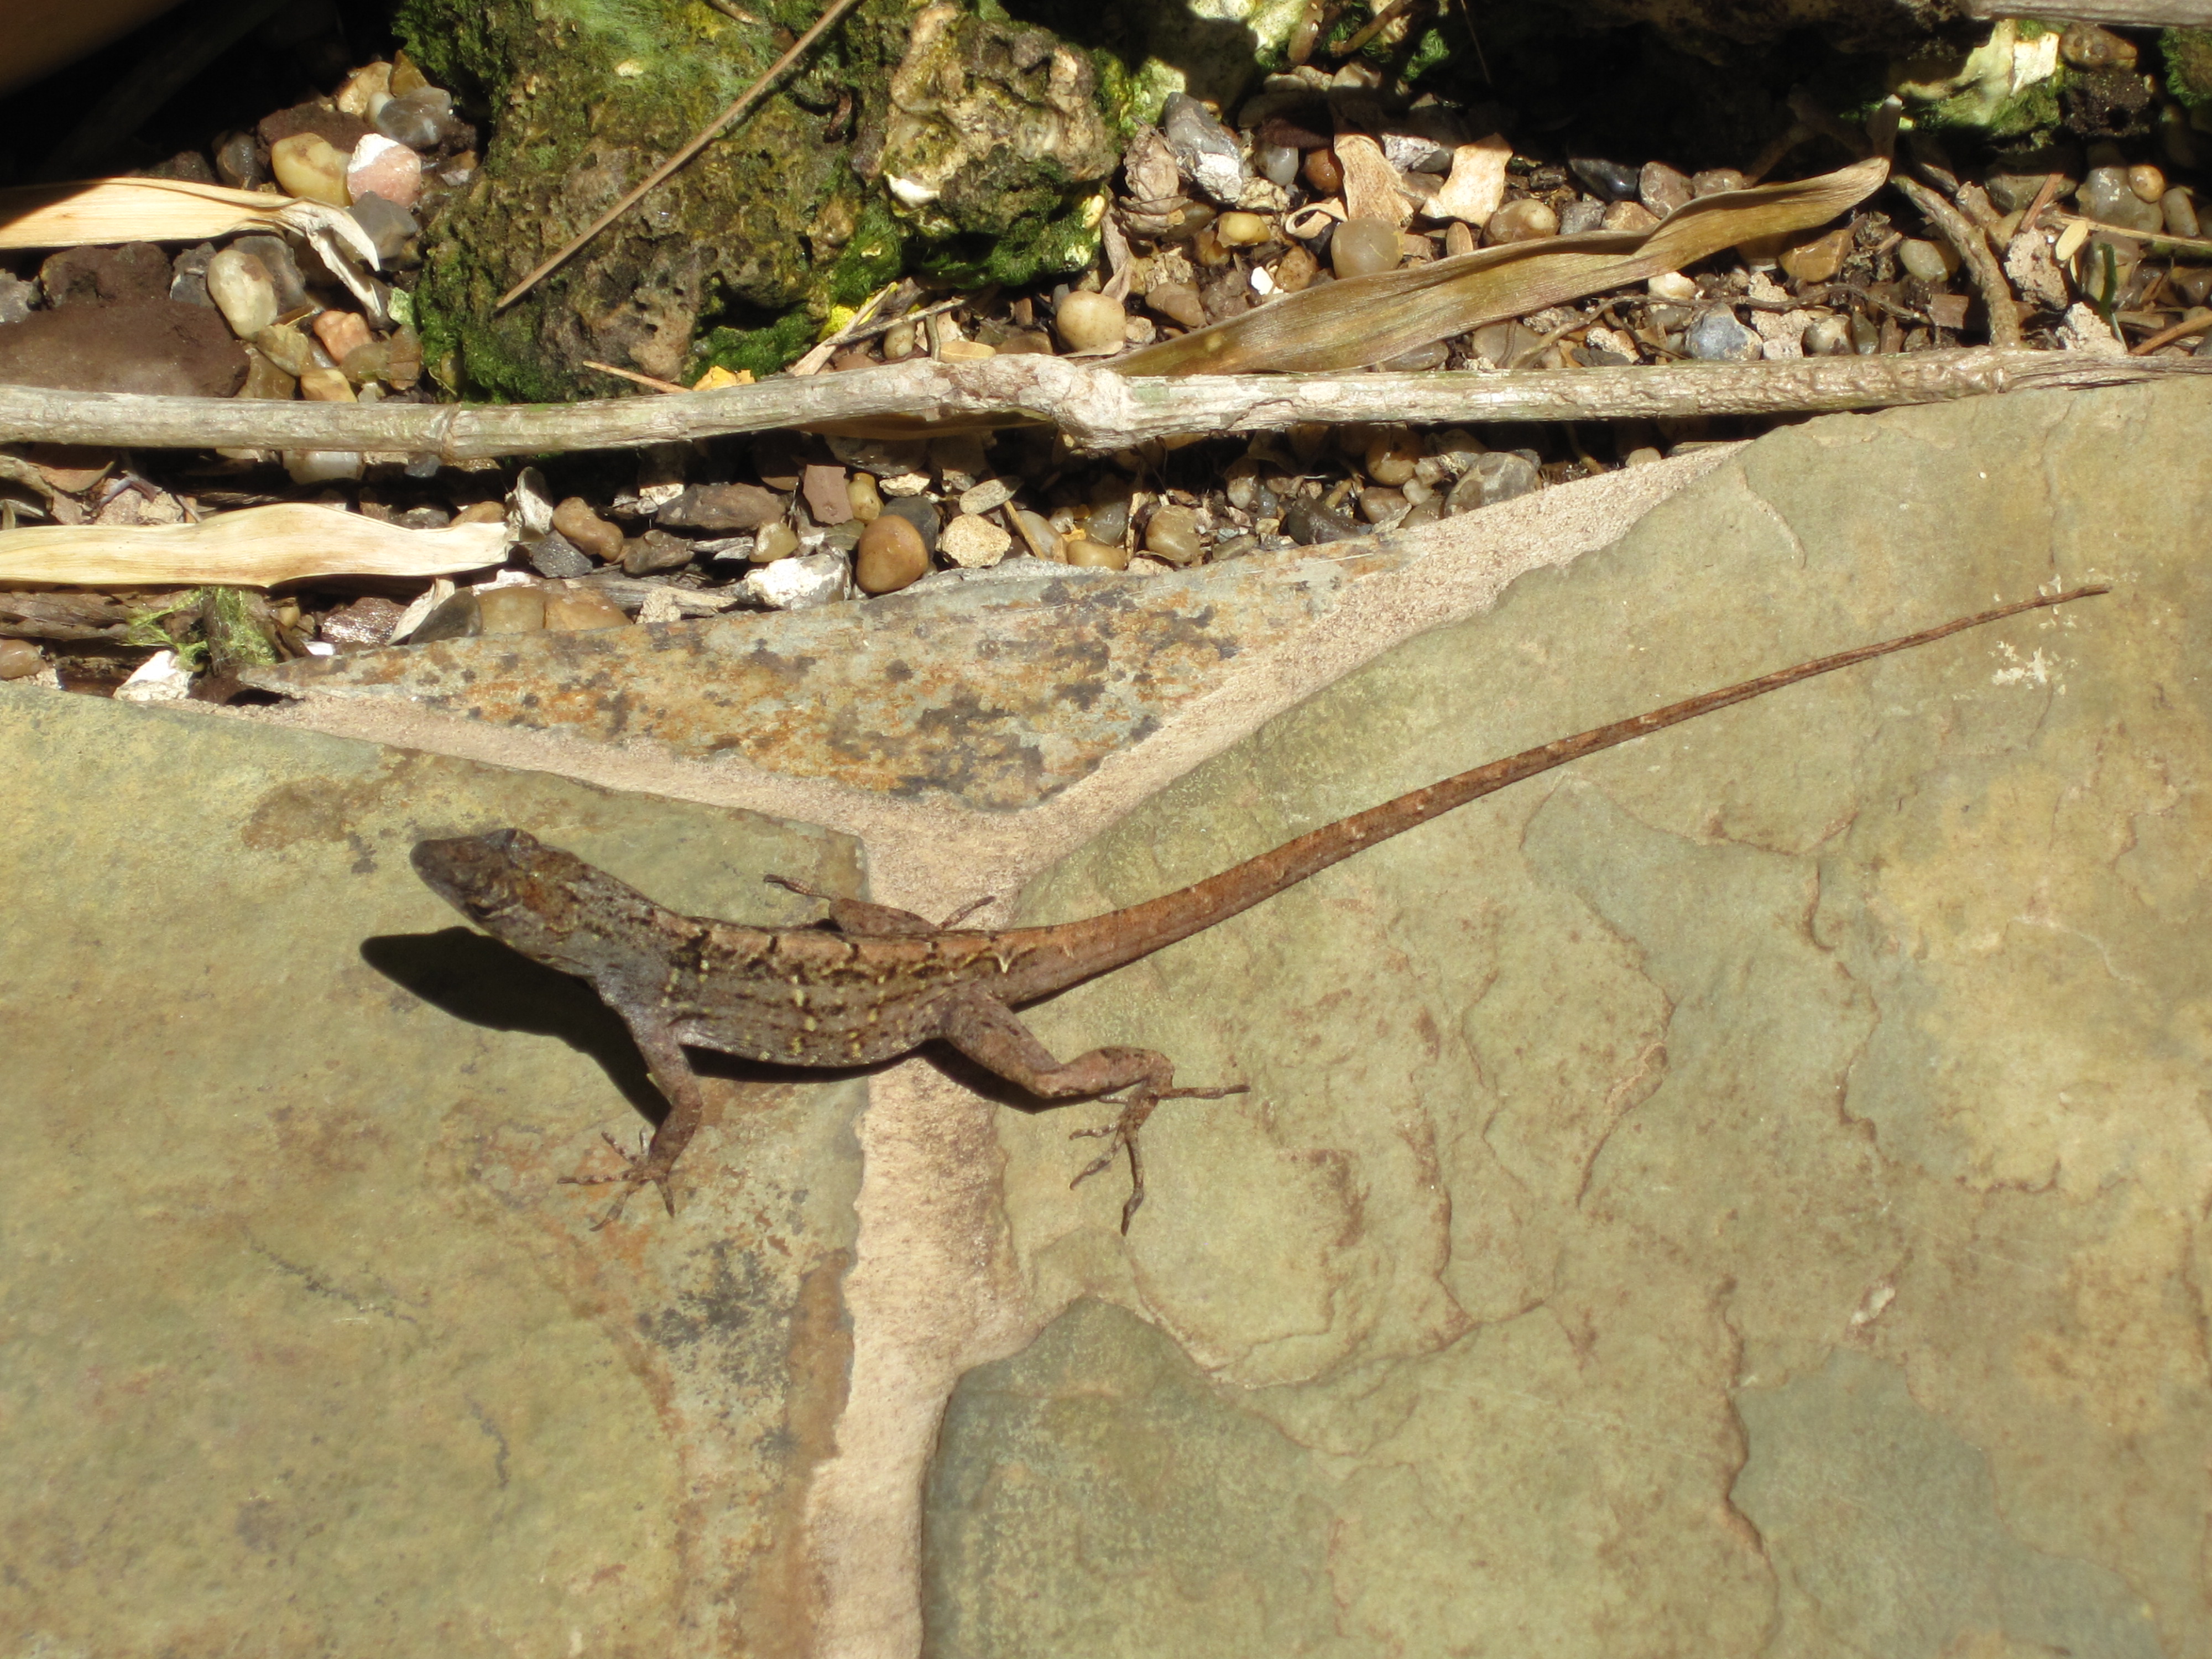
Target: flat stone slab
column 1743, row 1194
column 305, row 1349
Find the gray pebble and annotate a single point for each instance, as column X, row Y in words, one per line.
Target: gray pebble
column 1613, row 181
column 458, row 618
column 1277, row 164
column 655, row 552
column 15, row 297
column 419, row 120
column 554, row 557
column 2106, row 196
column 1497, row 475
column 1718, row 337
column 283, row 269
column 387, row 225
column 1578, row 216
column 2180, row 213
column 1308, row 522
column 189, row 282
column 238, row 162
column 1207, row 152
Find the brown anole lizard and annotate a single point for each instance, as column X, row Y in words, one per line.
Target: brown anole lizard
column 870, row 982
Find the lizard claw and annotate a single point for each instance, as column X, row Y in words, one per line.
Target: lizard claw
column 638, row 1171
column 1122, row 1133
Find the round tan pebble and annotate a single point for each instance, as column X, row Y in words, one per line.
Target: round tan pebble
column 517, row 608
column 890, row 556
column 867, row 500
column 1381, row 506
column 1096, row 555
column 1524, row 221
column 1458, row 240
column 974, row 543
column 774, row 541
column 1296, row 271
column 481, row 513
column 1323, row 173
column 1392, row 455
column 580, row 610
column 19, row 658
column 1049, row 543
column 1172, row 533
column 2147, row 181
column 591, row 533
column 307, row 164
column 1241, row 229
column 1088, row 322
column 1361, row 247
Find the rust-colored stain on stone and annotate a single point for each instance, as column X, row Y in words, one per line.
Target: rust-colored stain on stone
column 998, row 693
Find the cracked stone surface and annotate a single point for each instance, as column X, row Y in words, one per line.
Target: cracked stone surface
column 302, row 1349
column 1743, row 1194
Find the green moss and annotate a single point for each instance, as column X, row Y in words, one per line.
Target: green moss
column 2032, row 110
column 875, row 255
column 1036, row 246
column 2189, row 65
column 760, row 350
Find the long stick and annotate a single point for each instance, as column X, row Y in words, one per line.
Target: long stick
column 744, row 101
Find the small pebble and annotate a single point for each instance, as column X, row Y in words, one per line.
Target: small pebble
column 1497, row 475
column 1458, row 240
column 481, row 513
column 307, row 165
column 1026, row 343
column 1392, row 455
column 1172, row 534
column 1713, row 181
column 975, row 542
column 327, row 386
column 1819, row 259
column 1207, row 152
column 1178, row 302
column 1579, row 216
column 1616, row 181
column 1633, row 217
column 340, row 332
column 1931, row 262
column 1109, row 514
column 553, row 555
column 1308, row 522
column 1718, row 337
column 1089, row 322
column 275, row 256
column 416, row 119
column 160, row 678
column 1672, row 286
column 1828, row 337
column 1096, row 555
column 988, row 496
column 238, row 162
column 775, row 541
column 2147, row 182
column 1324, row 174
column 800, row 584
column 511, row 608
column 898, row 342
column 532, row 502
column 242, row 290
column 365, row 84
column 389, row 227
column 2180, row 213
column 1527, row 220
column 1049, row 543
column 1241, row 229
column 823, row 488
column 19, row 658
column 655, row 552
column 1662, row 189
column 1361, row 247
column 587, row 530
column 2106, row 197
column 890, row 556
column 265, row 380
column 1378, row 505
column 581, row 610
column 864, row 498
column 382, row 168
column 1277, row 163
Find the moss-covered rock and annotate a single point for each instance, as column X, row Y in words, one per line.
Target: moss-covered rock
column 738, row 256
column 2189, row 66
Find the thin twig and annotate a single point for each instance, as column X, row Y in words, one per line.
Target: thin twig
column 714, row 130
column 632, row 374
column 1098, row 409
column 2198, row 322
column 1973, row 247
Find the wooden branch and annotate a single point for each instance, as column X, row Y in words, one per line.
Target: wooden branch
column 1098, row 410
column 2146, row 14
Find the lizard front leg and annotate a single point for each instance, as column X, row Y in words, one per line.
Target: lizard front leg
column 672, row 1075
column 989, row 1033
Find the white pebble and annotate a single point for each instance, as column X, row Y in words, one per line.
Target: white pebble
column 795, row 584
column 157, row 679
column 243, row 291
column 972, row 543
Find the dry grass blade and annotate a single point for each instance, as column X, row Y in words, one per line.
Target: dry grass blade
column 1370, row 320
column 260, row 547
column 104, row 212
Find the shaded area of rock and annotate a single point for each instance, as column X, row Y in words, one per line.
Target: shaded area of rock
column 160, row 347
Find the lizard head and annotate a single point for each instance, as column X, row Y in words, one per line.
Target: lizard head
column 548, row 904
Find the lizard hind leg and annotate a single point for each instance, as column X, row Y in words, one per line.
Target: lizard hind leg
column 672, row 1075
column 989, row 1033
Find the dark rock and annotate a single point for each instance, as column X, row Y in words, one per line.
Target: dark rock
column 342, row 130
column 189, row 165
column 275, row 256
column 460, row 617
column 917, row 511
column 1307, row 523
column 16, row 298
column 240, row 162
column 365, row 623
column 389, row 226
column 188, row 283
column 722, row 507
column 1616, row 181
column 554, row 557
column 129, row 275
column 654, row 551
column 160, row 347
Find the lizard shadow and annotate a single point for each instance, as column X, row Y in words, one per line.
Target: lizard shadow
column 460, row 972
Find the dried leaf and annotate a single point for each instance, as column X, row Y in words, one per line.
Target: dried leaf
column 260, row 547
column 1368, row 320
column 103, row 212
